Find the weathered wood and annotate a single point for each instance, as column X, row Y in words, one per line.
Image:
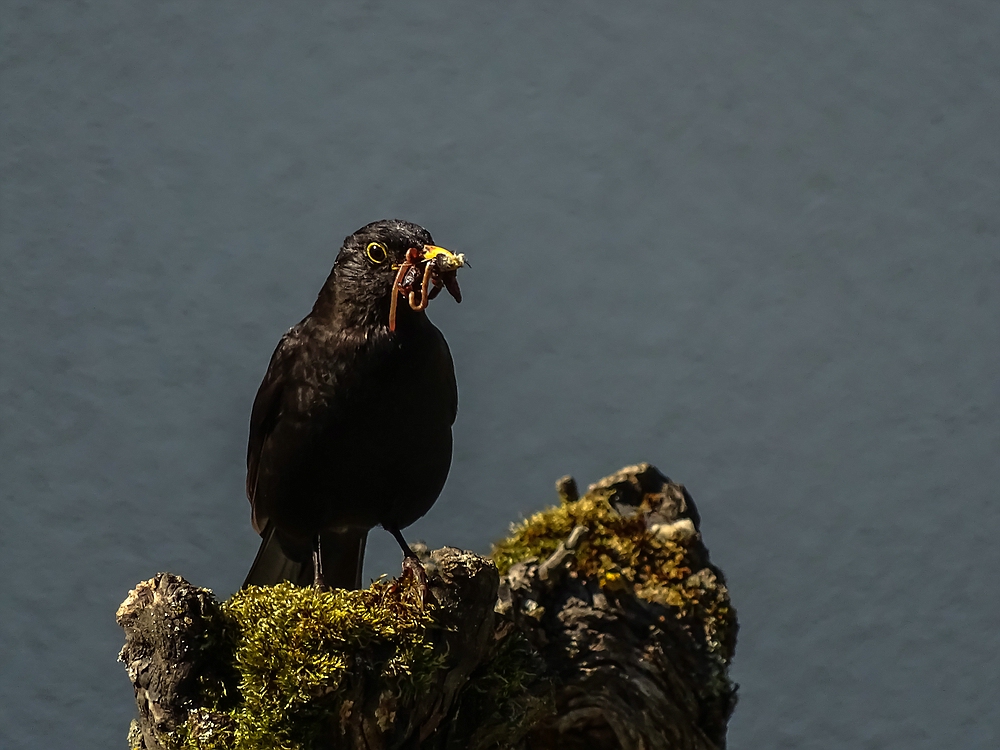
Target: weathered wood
column 627, row 675
column 169, row 627
column 551, row 655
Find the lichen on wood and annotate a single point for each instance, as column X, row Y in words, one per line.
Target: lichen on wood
column 616, row 592
column 609, row 629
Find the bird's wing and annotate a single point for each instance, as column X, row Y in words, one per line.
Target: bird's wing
column 446, row 374
column 266, row 410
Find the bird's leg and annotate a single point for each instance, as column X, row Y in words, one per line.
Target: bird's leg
column 412, row 567
column 319, row 583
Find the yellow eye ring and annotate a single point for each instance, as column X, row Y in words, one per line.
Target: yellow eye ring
column 376, row 252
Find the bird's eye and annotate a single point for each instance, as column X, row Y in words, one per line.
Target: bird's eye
column 376, row 252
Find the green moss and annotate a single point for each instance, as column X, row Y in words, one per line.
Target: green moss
column 620, row 552
column 505, row 697
column 296, row 652
column 288, row 659
column 135, row 740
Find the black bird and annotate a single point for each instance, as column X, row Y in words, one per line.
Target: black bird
column 351, row 426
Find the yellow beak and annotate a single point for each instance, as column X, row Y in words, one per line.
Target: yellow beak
column 446, row 260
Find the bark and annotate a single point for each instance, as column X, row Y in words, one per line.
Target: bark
column 547, row 656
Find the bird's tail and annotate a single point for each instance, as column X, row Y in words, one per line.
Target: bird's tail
column 343, row 559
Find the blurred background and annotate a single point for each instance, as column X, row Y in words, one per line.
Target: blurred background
column 755, row 244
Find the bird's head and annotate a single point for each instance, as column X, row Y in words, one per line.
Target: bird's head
column 392, row 264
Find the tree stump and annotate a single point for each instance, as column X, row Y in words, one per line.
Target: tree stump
column 608, row 629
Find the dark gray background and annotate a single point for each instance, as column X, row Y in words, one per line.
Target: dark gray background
column 753, row 243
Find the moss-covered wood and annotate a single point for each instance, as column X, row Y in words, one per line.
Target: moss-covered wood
column 609, row 628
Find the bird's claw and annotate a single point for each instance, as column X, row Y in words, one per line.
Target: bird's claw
column 413, row 570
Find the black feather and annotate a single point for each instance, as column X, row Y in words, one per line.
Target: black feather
column 351, row 426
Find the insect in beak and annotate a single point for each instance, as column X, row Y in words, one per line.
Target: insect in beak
column 422, row 275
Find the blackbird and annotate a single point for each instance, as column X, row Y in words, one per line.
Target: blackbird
column 351, row 426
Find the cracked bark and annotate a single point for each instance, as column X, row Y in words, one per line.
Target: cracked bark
column 617, row 671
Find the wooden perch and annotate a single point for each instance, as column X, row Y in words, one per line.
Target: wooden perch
column 609, row 628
